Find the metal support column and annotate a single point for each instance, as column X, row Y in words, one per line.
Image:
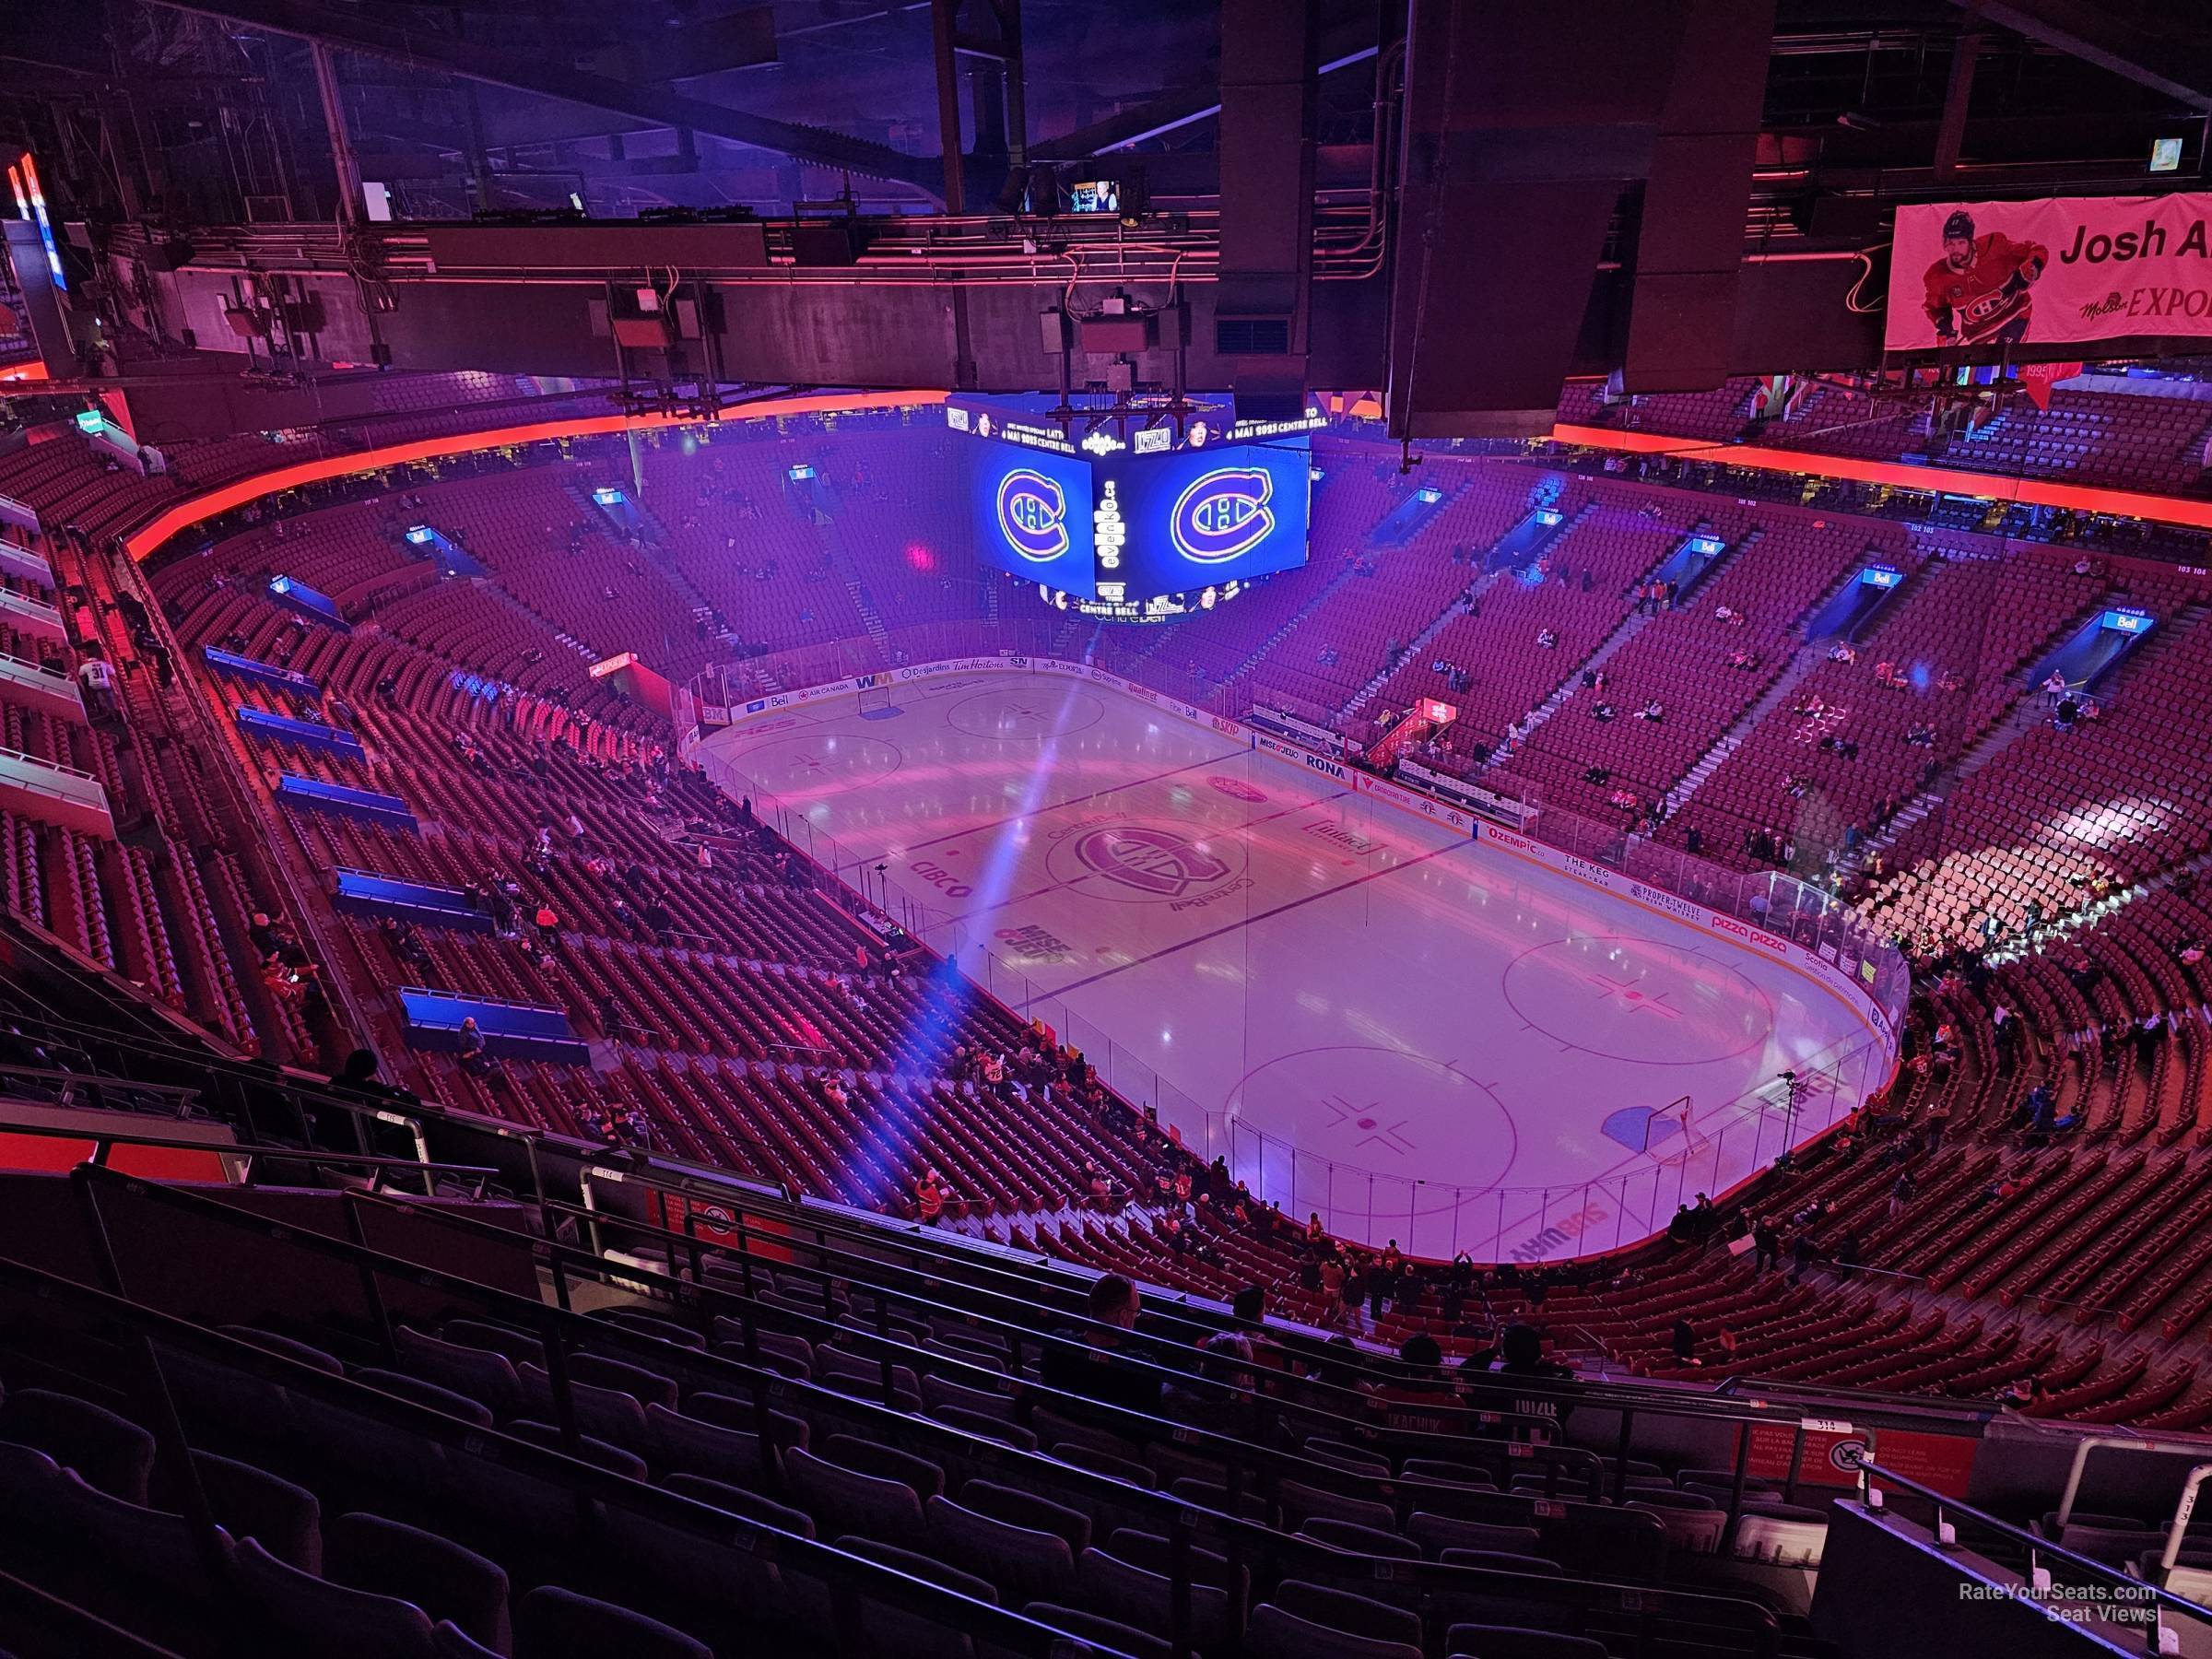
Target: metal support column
column 943, row 16
column 1950, row 132
column 350, row 211
column 1017, row 108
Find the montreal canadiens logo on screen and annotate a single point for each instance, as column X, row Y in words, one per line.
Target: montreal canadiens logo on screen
column 1032, row 514
column 1222, row 515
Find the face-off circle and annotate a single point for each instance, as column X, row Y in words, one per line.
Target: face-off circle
column 1379, row 1109
column 1620, row 998
column 821, row 763
column 1024, row 713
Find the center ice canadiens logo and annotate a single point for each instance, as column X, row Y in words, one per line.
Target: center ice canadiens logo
column 1222, row 515
column 1151, row 861
column 1033, row 512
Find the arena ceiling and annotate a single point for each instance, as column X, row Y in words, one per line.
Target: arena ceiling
column 1452, row 203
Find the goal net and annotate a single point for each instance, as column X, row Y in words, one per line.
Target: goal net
column 876, row 702
column 1671, row 1135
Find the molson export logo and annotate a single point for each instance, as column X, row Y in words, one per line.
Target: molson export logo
column 1032, row 514
column 1222, row 515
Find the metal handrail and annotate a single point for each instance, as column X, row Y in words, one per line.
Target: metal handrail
column 363, row 1110
column 1860, row 1268
column 2127, row 1442
column 710, row 1295
column 1356, row 1403
column 158, row 1331
column 105, row 1141
column 1558, row 1463
column 183, row 1096
column 1871, row 1472
column 2183, row 1511
column 875, row 1240
column 870, row 1258
column 870, row 1240
column 1182, row 1521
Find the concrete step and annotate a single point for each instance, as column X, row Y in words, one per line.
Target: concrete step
column 1419, row 644
column 1255, row 658
column 1564, row 693
column 1807, row 659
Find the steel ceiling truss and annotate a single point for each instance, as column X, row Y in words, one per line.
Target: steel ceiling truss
column 548, row 77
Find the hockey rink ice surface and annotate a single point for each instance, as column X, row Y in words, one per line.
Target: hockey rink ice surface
column 1463, row 1047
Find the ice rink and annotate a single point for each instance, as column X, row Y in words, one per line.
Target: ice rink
column 1422, row 1037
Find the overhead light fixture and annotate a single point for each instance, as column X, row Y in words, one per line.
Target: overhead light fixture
column 2165, row 155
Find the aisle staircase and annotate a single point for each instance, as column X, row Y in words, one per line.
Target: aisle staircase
column 1419, row 642
column 498, row 594
column 1807, row 656
column 1481, row 585
column 2024, row 716
column 1254, row 658
column 847, row 569
column 656, row 538
column 1807, row 659
column 1564, row 693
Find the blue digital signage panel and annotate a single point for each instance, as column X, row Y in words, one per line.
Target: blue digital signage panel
column 1033, row 516
column 1128, row 516
column 1201, row 518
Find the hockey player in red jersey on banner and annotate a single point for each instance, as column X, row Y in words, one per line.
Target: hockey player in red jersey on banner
column 1978, row 291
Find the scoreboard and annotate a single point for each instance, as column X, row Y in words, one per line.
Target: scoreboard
column 1132, row 521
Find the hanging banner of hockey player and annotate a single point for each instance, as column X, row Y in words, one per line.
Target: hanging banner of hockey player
column 2046, row 272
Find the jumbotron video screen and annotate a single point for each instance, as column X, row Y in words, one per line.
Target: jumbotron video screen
column 1135, row 518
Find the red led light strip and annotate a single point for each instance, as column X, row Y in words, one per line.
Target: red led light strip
column 221, row 500
column 1986, row 487
column 2119, row 503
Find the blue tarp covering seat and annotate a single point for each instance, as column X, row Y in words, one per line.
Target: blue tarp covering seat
column 365, row 806
column 363, row 893
column 512, row 1030
column 267, row 674
column 308, row 734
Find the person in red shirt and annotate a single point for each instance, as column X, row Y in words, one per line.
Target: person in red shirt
column 1977, row 293
column 929, row 1199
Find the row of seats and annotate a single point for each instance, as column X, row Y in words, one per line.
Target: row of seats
column 912, row 1432
column 2065, row 816
column 708, row 1055
column 2150, row 435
